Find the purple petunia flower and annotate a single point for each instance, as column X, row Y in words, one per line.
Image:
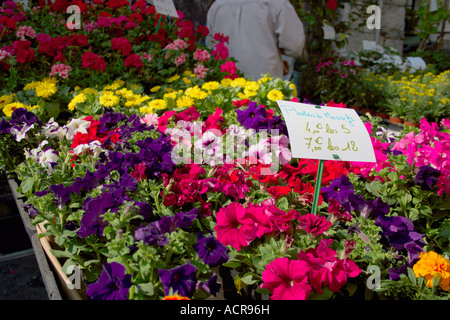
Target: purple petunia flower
column 22, row 116
column 5, row 127
column 252, row 117
column 211, row 251
column 340, row 189
column 113, row 283
column 92, row 222
column 427, row 177
column 211, row 286
column 367, row 208
column 182, row 280
column 399, row 231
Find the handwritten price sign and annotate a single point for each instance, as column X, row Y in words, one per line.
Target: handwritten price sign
column 165, row 7
column 326, row 133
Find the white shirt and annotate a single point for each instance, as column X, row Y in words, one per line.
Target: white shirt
column 259, row 32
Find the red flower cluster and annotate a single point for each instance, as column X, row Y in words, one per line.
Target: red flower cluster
column 90, row 60
column 238, row 226
column 133, row 60
column 121, row 44
column 24, row 53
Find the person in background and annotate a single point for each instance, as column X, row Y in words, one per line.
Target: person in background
column 260, row 33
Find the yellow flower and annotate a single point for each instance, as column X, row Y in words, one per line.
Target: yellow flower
column 186, row 80
column 252, row 86
column 211, row 85
column 79, row 98
column 173, row 78
column 109, row 99
column 226, row 82
column 170, row 95
column 264, row 79
column 432, row 265
column 115, row 85
column 45, row 89
column 5, row 99
column 196, row 93
column 157, row 104
column 146, row 109
column 155, row 89
column 185, row 102
column 31, row 86
column 242, row 96
column 275, row 94
column 294, row 88
column 135, row 100
column 239, row 82
column 10, row 107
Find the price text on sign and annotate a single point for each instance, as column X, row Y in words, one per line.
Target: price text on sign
column 165, row 7
column 326, row 133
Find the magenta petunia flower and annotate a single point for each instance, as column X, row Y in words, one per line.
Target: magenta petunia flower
column 234, row 227
column 287, row 279
column 313, row 224
column 326, row 268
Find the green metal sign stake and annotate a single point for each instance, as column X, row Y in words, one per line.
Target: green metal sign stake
column 317, row 188
column 157, row 28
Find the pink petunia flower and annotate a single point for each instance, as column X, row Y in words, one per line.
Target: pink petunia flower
column 287, row 279
column 313, row 224
column 326, row 268
column 234, row 227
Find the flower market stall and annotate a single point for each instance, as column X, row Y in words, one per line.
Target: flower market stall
column 154, row 170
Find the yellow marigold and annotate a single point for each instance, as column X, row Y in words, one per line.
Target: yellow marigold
column 31, row 86
column 186, row 80
column 242, row 96
column 239, row 82
column 135, row 100
column 5, row 99
column 115, row 85
column 264, row 79
column 45, row 89
column 109, row 99
column 157, row 104
column 79, row 98
column 252, row 86
column 170, row 95
column 196, row 93
column 250, row 93
column 155, row 89
column 187, row 73
column 175, row 297
column 275, row 94
column 226, row 82
column 185, row 102
column 146, row 109
column 211, row 85
column 432, row 265
column 10, row 107
column 173, row 78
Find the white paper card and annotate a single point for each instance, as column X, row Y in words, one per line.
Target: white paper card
column 165, row 7
column 326, row 132
column 433, row 6
column 328, row 32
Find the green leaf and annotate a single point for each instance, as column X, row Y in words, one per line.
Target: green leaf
column 27, row 184
column 53, row 109
column 326, row 295
column 248, row 278
column 147, row 288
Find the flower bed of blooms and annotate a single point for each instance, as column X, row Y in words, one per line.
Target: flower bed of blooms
column 154, row 193
column 148, row 205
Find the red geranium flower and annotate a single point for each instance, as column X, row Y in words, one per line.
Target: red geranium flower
column 121, row 44
column 332, row 4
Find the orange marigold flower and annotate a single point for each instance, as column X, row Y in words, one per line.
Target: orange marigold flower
column 175, row 297
column 433, row 265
